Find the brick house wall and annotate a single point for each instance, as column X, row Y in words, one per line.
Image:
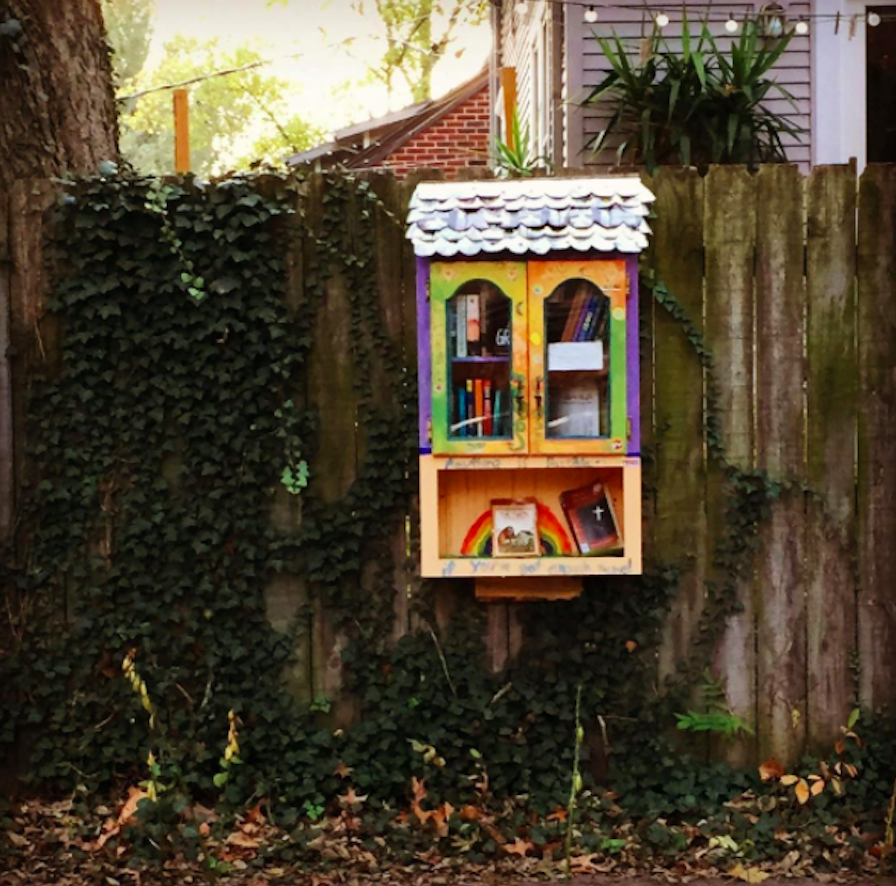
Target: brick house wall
column 458, row 140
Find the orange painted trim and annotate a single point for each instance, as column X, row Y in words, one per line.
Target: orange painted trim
column 181, row 131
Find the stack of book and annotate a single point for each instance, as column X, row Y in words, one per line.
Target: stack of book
column 479, row 406
column 480, row 326
column 588, row 316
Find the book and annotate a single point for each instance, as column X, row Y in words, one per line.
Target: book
column 479, row 407
column 460, row 320
column 487, row 397
column 589, row 512
column 471, row 427
column 461, row 426
column 575, row 310
column 574, row 408
column 474, row 343
column 603, row 316
column 497, row 418
column 586, row 333
column 515, row 528
column 580, row 322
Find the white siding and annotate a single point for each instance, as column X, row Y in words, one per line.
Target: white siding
column 528, row 44
column 584, row 65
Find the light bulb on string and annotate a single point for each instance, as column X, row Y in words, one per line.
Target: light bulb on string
column 802, row 28
column 731, row 25
column 662, row 20
column 591, row 15
column 873, row 19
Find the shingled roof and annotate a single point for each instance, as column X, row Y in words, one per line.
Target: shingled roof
column 535, row 216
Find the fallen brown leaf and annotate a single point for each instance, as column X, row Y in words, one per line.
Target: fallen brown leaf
column 771, row 769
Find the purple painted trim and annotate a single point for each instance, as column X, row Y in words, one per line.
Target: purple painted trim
column 633, row 330
column 424, row 353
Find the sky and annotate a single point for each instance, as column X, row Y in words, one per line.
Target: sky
column 334, row 44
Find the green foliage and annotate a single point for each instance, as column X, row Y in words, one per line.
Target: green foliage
column 235, row 120
column 514, row 157
column 694, row 107
column 163, row 440
column 129, row 34
column 418, row 33
column 715, row 716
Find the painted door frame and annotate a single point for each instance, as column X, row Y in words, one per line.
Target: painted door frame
column 610, row 276
column 446, row 278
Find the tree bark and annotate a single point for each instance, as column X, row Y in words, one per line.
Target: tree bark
column 57, row 102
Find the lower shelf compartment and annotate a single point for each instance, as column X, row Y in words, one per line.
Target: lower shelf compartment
column 456, row 496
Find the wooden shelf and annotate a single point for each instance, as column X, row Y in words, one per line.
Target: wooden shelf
column 455, row 493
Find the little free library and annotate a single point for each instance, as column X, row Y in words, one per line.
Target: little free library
column 527, row 326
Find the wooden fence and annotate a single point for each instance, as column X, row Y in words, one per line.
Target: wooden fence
column 793, row 281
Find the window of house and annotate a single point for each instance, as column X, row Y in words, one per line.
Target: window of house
column 880, row 68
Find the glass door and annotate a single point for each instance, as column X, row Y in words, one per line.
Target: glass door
column 479, row 365
column 577, row 357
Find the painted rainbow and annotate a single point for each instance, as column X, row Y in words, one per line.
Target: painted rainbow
column 555, row 541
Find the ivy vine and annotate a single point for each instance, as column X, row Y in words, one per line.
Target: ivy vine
column 180, row 415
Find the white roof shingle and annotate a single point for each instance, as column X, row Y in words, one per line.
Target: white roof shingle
column 534, row 216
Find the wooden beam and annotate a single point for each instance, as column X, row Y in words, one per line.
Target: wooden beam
column 181, row 131
column 508, row 89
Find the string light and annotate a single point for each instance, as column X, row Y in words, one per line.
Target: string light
column 591, row 15
column 770, row 18
column 731, row 25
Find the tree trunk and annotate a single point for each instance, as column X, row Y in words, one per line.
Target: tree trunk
column 57, row 103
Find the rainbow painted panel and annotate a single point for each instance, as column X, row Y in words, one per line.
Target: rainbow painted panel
column 555, row 541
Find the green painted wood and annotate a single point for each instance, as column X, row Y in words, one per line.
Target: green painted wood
column 730, row 242
column 832, row 387
column 780, row 449
column 877, row 432
column 618, row 373
column 680, row 524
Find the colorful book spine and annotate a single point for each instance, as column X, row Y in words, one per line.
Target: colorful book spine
column 461, row 413
column 572, row 318
column 580, row 322
column 497, row 420
column 461, row 325
column 471, row 428
column 479, row 406
column 603, row 317
column 474, row 344
column 586, row 333
column 487, row 413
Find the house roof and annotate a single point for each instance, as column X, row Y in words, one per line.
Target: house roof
column 535, row 216
column 367, row 145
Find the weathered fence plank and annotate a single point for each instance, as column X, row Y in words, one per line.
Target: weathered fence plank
column 877, row 431
column 730, row 240
column 680, row 524
column 780, row 326
column 7, row 451
column 831, row 443
column 331, row 391
column 286, row 596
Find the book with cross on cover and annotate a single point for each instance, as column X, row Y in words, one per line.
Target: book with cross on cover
column 589, row 512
